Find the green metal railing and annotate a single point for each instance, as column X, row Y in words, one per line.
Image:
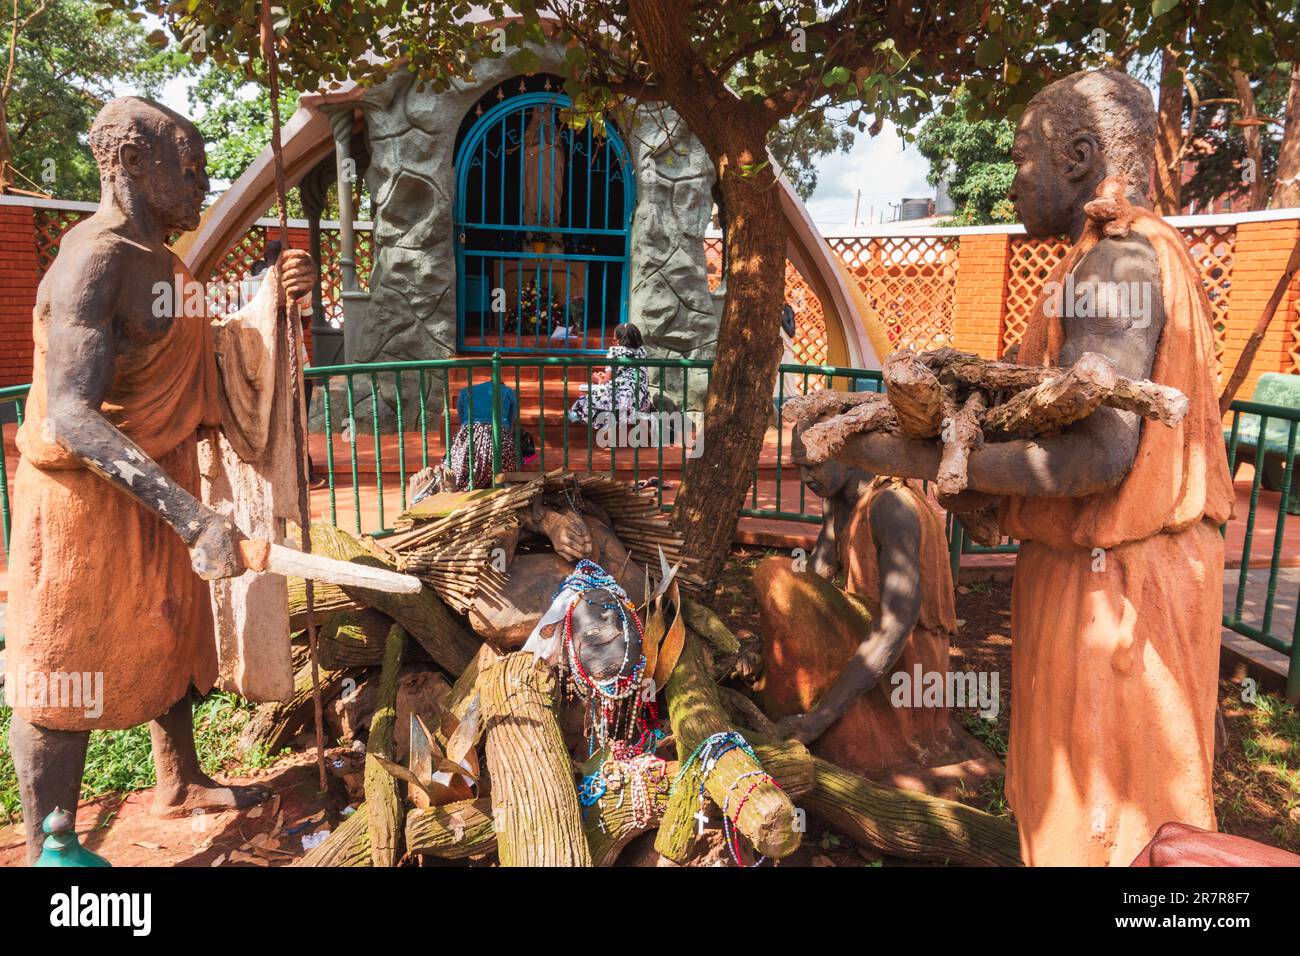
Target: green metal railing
column 413, row 401
column 1262, row 415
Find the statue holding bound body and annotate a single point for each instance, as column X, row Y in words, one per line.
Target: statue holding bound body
column 1117, row 601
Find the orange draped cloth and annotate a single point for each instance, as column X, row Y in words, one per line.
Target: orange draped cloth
column 811, row 632
column 1115, row 652
column 98, row 585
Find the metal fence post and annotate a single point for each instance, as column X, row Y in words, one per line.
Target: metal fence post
column 496, row 416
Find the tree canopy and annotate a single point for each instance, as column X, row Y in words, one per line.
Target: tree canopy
column 735, row 71
column 798, row 146
column 975, row 157
column 234, row 117
column 69, row 60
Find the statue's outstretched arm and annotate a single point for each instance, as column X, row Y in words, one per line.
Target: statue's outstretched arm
column 1090, row 456
column 896, row 531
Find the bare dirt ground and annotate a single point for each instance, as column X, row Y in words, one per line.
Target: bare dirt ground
column 1257, row 774
column 123, row 828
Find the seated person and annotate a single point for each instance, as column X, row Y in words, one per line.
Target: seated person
column 788, row 384
column 474, row 414
column 621, row 389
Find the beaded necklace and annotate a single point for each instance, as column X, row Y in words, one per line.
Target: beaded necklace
column 710, row 749
column 613, row 705
column 730, row 831
column 627, row 771
column 702, row 761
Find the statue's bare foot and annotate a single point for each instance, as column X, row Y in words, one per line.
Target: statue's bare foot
column 182, row 787
column 205, row 794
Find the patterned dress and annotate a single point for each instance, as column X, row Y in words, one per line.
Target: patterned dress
column 628, row 391
column 482, row 466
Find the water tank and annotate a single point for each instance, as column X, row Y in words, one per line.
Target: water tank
column 914, row 209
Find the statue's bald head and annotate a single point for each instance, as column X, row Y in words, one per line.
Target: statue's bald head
column 159, row 150
column 134, row 121
column 1074, row 133
column 825, row 478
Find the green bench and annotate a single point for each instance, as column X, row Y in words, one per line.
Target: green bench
column 1273, row 388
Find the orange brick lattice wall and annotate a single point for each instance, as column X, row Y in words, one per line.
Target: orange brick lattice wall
column 18, row 272
column 810, row 338
column 1031, row 260
column 29, row 241
column 910, row 282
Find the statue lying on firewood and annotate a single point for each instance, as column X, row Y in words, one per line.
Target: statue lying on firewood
column 543, row 566
column 498, row 557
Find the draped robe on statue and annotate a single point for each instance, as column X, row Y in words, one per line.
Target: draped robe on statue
column 251, row 475
column 100, row 585
column 811, row 631
column 1115, row 654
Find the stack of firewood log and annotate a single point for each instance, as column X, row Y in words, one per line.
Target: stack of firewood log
column 962, row 401
column 498, row 780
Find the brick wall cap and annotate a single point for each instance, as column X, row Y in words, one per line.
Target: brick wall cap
column 900, row 230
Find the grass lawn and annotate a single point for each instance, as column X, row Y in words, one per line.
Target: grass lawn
column 120, row 760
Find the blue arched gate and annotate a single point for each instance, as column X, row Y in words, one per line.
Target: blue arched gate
column 543, row 221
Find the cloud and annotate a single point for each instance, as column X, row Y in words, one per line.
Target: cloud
column 881, row 166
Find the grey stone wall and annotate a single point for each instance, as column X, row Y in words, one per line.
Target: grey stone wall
column 412, row 310
column 669, row 299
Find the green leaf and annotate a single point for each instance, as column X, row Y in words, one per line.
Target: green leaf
column 525, row 61
column 1160, row 7
column 837, row 76
column 988, row 52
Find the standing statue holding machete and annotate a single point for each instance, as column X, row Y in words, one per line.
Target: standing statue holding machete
column 110, row 616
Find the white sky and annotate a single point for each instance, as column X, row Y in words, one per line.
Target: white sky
column 881, row 167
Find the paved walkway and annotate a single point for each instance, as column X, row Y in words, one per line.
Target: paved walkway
column 1255, row 597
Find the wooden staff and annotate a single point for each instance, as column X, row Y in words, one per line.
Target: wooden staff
column 1253, row 343
column 292, row 334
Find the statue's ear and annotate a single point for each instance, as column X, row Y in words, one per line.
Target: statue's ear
column 132, row 158
column 1082, row 154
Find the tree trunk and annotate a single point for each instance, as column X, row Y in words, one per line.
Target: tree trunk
column 423, row 616
column 915, row 393
column 349, row 845
column 6, row 147
column 911, row 825
column 734, row 133
column 695, row 712
column 1286, row 192
column 709, row 626
column 383, row 797
column 534, row 800
column 1169, row 138
column 453, row 832
column 736, row 414
column 273, row 725
column 1057, row 402
column 791, row 766
column 353, row 639
column 1257, row 194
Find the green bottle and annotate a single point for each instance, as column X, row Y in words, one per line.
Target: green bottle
column 61, row 847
